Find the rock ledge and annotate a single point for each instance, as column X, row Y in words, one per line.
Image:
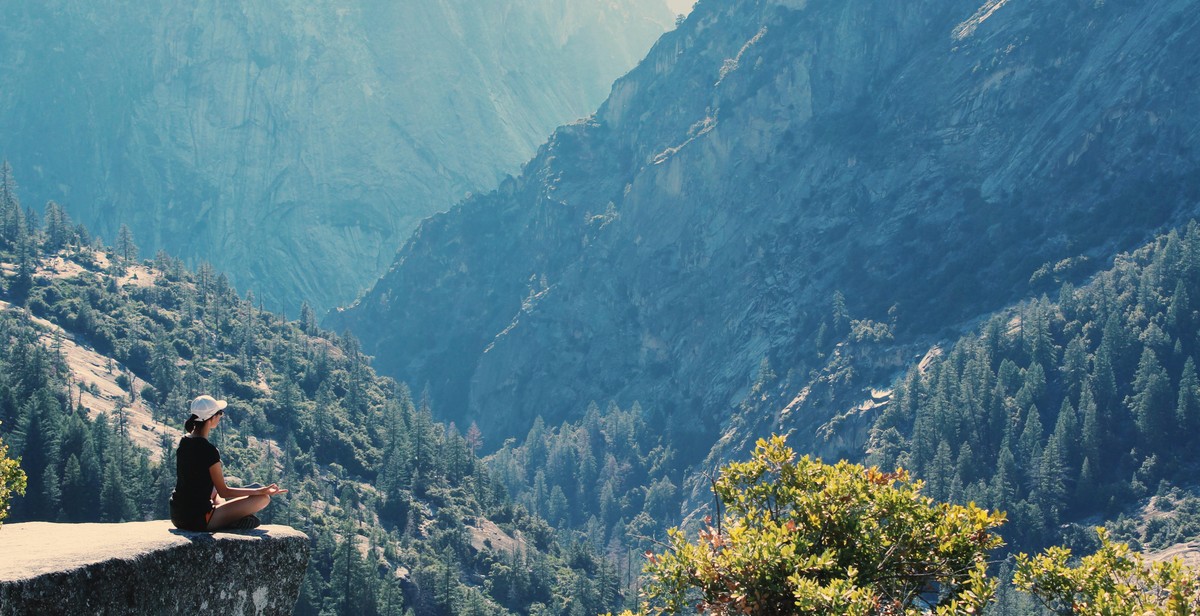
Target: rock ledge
column 148, row 568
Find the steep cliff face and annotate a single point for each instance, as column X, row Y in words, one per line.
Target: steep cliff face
column 294, row 145
column 929, row 156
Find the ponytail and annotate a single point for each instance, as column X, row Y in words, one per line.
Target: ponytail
column 191, row 423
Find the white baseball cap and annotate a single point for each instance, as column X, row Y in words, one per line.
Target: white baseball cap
column 205, row 407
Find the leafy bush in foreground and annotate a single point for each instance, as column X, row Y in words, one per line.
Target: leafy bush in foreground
column 1113, row 581
column 803, row 537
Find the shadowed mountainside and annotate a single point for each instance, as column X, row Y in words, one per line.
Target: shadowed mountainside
column 720, row 238
column 294, row 145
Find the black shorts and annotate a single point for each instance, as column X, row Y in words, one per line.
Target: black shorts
column 189, row 518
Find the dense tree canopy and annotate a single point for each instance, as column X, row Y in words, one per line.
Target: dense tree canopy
column 402, row 514
column 1052, row 411
column 1061, row 409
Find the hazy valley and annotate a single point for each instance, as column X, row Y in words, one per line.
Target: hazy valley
column 294, row 145
column 952, row 238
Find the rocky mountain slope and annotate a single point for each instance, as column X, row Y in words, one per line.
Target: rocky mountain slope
column 99, row 357
column 788, row 199
column 294, row 145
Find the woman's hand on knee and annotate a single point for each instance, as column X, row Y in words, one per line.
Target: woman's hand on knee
column 272, row 490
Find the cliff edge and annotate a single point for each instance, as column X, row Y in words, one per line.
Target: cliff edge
column 148, row 568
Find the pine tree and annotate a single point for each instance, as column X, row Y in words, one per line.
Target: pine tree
column 308, row 319
column 539, row 495
column 535, row 444
column 12, row 220
column 1066, row 434
column 1150, row 403
column 474, row 438
column 114, row 502
column 1029, row 445
column 352, row 583
column 1033, row 388
column 327, row 407
column 939, row 473
column 1085, row 487
column 26, row 264
column 73, row 486
column 1092, row 437
column 557, row 509
column 1187, row 405
column 58, row 227
column 37, row 442
column 924, row 443
column 839, row 314
column 51, row 496
column 965, row 465
column 1179, row 310
column 1050, row 489
column 1104, row 380
column 1039, row 341
column 1075, row 366
column 311, row 591
column 1004, row 481
column 127, row 250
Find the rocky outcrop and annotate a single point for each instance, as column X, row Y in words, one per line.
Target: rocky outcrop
column 148, row 568
column 294, row 145
column 929, row 156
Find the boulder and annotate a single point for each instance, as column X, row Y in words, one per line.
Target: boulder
column 148, row 568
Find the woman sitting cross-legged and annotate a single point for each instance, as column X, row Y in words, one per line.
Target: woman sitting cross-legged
column 201, row 501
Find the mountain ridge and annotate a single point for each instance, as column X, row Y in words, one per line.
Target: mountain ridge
column 101, row 355
column 768, row 156
column 294, row 145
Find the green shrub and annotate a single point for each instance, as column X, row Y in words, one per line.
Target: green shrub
column 12, row 480
column 803, row 537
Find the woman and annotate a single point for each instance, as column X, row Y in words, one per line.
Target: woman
column 201, row 500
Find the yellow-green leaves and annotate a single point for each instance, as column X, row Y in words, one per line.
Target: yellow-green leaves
column 803, row 537
column 1112, row 582
column 12, row 480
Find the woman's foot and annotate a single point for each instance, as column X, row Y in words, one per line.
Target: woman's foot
column 246, row 523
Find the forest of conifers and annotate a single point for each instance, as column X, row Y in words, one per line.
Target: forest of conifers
column 402, row 514
column 1064, row 409
column 1061, row 412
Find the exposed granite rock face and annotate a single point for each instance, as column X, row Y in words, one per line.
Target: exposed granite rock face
column 926, row 155
column 294, row 144
column 148, row 568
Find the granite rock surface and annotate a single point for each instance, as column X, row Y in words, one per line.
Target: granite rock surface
column 148, row 568
column 924, row 159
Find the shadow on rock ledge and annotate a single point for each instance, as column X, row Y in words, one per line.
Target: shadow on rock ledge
column 148, row 568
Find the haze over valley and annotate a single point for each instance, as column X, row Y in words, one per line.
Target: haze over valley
column 577, row 273
column 295, row 145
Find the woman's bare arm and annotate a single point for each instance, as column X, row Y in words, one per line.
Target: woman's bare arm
column 224, row 491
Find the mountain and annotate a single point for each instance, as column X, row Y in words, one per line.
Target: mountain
column 787, row 200
column 294, row 145
column 100, row 356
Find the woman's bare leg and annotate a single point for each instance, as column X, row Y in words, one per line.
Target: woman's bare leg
column 235, row 509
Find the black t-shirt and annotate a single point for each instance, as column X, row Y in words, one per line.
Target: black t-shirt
column 193, row 483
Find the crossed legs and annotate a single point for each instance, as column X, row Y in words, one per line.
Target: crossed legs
column 235, row 509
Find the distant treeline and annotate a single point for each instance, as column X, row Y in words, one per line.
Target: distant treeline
column 1061, row 409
